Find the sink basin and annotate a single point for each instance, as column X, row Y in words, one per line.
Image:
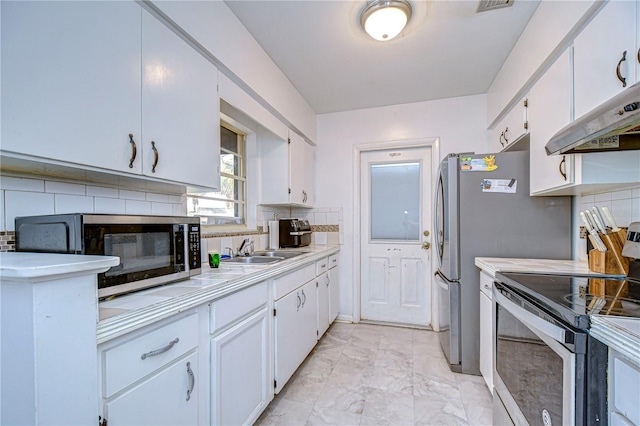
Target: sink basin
column 277, row 253
column 254, row 260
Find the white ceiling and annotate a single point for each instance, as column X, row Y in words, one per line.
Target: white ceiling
column 446, row 50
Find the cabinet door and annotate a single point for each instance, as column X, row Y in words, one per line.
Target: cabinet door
column 486, row 348
column 180, row 109
column 310, row 178
column 295, row 331
column 512, row 127
column 334, row 294
column 71, row 81
column 162, row 399
column 240, row 373
column 323, row 303
column 549, row 111
column 598, row 51
column 297, row 168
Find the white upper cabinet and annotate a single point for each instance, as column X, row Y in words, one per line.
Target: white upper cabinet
column 99, row 85
column 511, row 128
column 71, row 82
column 287, row 171
column 599, row 67
column 180, row 109
column 549, row 111
column 301, row 165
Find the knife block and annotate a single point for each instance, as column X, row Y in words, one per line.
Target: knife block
column 612, row 261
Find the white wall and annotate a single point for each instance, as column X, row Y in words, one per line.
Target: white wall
column 459, row 123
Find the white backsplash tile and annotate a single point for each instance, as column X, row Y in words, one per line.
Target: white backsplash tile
column 320, row 218
column 621, row 211
column 109, row 206
column 621, row 195
column 333, row 218
column 21, row 203
column 132, row 195
column 101, row 191
column 162, row 209
column 21, row 184
column 159, row 198
column 603, row 198
column 320, row 238
column 137, row 207
column 65, row 203
column 64, row 188
column 179, row 209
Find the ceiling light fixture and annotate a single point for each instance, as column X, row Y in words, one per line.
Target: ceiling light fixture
column 385, row 19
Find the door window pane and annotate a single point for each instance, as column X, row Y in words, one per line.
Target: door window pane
column 395, row 201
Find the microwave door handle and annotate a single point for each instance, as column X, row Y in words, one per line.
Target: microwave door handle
column 299, row 233
column 529, row 318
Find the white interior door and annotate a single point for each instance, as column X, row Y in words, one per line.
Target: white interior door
column 395, row 236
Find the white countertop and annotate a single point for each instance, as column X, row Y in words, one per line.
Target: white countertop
column 621, row 334
column 37, row 266
column 491, row 265
column 129, row 312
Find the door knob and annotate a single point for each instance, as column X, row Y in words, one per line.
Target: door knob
column 425, row 233
column 426, row 245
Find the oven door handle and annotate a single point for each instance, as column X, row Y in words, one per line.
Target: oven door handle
column 528, row 318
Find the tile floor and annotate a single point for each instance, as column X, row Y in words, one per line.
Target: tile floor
column 362, row 374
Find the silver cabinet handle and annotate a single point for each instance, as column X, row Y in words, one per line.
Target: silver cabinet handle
column 328, row 280
column 618, row 74
column 192, row 381
column 304, row 298
column 560, row 169
column 133, row 151
column 155, row 157
column 299, row 302
column 161, row 350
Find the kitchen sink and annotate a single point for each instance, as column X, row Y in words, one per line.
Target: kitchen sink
column 254, row 260
column 277, row 253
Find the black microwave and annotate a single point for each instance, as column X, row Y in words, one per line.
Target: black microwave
column 153, row 250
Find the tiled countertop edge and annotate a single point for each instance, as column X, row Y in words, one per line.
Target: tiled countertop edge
column 117, row 326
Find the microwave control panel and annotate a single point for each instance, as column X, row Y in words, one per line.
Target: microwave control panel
column 193, row 236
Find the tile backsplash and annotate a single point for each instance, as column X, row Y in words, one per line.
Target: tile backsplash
column 624, row 206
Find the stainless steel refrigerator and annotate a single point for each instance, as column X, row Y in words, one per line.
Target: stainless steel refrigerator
column 483, row 209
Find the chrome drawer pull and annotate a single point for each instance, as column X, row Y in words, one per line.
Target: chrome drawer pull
column 161, row 350
column 192, row 381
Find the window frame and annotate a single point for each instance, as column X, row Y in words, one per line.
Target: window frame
column 241, row 203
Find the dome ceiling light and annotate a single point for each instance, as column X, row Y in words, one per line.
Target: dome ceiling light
column 385, row 19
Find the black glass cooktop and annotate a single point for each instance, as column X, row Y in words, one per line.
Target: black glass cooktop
column 575, row 298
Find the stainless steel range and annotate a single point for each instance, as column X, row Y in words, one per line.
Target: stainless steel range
column 548, row 369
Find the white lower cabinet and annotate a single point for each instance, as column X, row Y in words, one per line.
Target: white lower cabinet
column 486, row 329
column 334, row 288
column 150, row 377
column 322, row 283
column 295, row 330
column 241, row 372
column 165, row 398
column 624, row 388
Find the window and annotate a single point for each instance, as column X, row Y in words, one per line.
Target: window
column 228, row 206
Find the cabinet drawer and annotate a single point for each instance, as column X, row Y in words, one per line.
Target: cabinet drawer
column 287, row 283
column 333, row 260
column 124, row 364
column 322, row 266
column 228, row 310
column 486, row 284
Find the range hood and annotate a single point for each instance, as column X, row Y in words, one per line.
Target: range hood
column 613, row 126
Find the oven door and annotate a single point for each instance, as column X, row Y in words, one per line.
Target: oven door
column 535, row 367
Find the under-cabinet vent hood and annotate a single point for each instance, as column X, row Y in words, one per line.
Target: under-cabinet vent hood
column 613, row 126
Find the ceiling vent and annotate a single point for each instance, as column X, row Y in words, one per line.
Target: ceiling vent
column 487, row 5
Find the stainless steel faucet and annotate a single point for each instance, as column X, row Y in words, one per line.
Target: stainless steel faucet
column 230, row 250
column 244, row 242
